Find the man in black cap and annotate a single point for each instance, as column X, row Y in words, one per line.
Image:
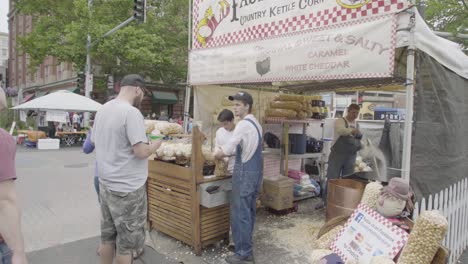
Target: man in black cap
column 246, row 145
column 122, row 150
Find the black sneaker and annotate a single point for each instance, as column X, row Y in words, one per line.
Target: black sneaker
column 231, row 248
column 235, row 259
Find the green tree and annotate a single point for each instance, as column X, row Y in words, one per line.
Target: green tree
column 448, row 16
column 157, row 49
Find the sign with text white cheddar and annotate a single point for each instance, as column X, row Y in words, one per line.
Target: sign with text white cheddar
column 362, row 48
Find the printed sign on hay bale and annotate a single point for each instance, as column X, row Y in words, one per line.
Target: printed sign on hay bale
column 368, row 234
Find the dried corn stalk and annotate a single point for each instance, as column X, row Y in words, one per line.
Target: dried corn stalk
column 424, row 241
column 371, row 194
column 325, row 241
column 381, row 260
column 221, row 167
column 289, row 97
column 293, row 105
column 280, row 113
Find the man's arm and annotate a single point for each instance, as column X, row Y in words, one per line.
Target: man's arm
column 340, row 128
column 135, row 126
column 143, row 150
column 229, row 148
column 10, row 226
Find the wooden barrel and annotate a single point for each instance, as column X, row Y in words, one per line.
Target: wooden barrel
column 343, row 197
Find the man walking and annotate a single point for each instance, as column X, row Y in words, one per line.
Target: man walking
column 122, row 150
column 11, row 244
column 246, row 144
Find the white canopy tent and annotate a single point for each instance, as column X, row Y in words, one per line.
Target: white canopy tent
column 61, row 101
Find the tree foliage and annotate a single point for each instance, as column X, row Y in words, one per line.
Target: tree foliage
column 157, row 49
column 447, row 15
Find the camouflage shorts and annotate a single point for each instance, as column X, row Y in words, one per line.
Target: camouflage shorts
column 123, row 218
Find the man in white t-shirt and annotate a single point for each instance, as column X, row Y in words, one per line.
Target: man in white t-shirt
column 122, row 150
column 224, row 133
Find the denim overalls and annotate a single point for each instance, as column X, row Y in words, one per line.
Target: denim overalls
column 246, row 181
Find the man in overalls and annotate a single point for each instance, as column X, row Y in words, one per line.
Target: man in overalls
column 246, row 144
column 346, row 143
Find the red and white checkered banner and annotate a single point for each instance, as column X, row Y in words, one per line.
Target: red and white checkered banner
column 224, row 22
column 362, row 48
column 368, row 234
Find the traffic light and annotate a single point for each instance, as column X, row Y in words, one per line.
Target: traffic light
column 139, row 10
column 80, row 80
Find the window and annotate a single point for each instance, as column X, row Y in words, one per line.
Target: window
column 4, row 52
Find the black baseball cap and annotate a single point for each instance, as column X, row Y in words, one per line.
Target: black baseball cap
column 133, row 80
column 245, row 97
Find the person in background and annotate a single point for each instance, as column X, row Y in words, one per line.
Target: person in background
column 75, row 118
column 88, row 148
column 225, row 132
column 246, row 143
column 11, row 239
column 122, row 150
column 345, row 145
column 163, row 117
column 190, row 125
column 180, row 121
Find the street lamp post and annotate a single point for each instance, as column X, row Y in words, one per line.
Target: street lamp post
column 88, row 70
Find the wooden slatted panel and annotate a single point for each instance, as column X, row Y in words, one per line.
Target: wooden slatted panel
column 214, row 222
column 171, row 184
column 168, row 169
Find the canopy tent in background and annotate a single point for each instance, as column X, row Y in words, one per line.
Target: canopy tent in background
column 61, row 101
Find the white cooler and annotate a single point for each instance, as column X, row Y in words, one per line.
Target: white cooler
column 48, row 143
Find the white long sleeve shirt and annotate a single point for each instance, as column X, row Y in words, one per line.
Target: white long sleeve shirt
column 341, row 130
column 246, row 135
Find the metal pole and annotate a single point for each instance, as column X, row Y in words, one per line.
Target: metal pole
column 407, row 139
column 188, row 87
column 88, row 73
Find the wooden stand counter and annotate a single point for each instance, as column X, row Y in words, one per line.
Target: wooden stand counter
column 174, row 202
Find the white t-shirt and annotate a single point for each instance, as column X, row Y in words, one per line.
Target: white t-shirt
column 245, row 134
column 119, row 126
column 222, row 138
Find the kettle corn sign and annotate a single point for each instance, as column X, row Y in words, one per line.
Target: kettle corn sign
column 246, row 26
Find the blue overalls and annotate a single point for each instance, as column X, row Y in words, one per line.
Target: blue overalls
column 246, row 181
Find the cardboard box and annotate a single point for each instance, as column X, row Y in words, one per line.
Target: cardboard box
column 48, row 143
column 278, row 193
column 215, row 193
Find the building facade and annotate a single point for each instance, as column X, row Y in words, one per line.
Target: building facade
column 50, row 76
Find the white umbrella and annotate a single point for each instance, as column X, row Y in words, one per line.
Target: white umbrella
column 61, row 101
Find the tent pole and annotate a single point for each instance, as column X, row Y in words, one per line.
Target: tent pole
column 187, row 85
column 410, row 72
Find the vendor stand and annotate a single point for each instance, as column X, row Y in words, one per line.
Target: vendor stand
column 313, row 46
column 56, row 105
column 174, row 200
